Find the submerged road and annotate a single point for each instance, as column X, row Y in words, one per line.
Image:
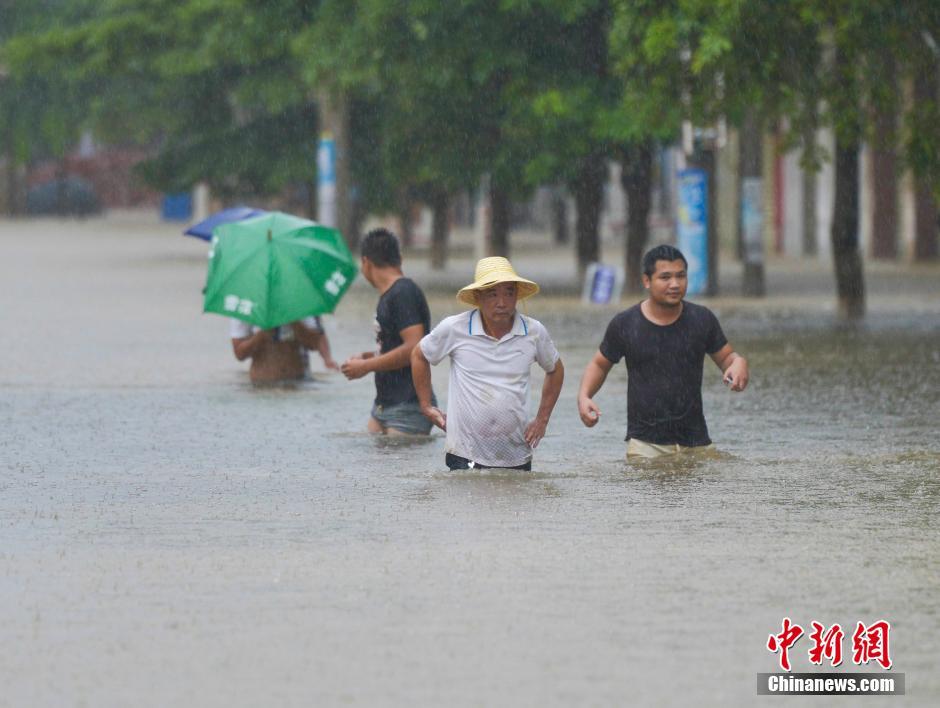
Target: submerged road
column 170, row 535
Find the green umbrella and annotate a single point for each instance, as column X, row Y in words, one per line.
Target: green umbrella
column 276, row 268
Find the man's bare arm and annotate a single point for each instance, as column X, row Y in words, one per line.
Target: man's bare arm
column 397, row 358
column 421, row 376
column 247, row 347
column 551, row 388
column 734, row 368
column 323, row 348
column 595, row 373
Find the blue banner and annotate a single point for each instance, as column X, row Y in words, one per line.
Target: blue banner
column 326, row 180
column 326, row 161
column 693, row 226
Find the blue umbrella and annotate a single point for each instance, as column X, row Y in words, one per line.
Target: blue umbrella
column 204, row 228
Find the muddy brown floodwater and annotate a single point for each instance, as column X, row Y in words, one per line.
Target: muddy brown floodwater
column 170, row 535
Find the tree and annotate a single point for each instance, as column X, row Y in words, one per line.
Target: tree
column 209, row 83
column 730, row 58
column 645, row 61
column 444, row 77
column 570, row 100
column 921, row 141
column 40, row 115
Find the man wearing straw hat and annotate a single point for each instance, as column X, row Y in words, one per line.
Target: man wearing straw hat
column 491, row 350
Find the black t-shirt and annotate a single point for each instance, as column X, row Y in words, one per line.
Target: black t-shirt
column 664, row 367
column 401, row 306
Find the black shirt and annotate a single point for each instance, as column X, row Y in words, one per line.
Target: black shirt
column 401, row 306
column 664, row 367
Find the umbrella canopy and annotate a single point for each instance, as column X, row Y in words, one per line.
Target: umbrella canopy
column 276, row 268
column 204, row 228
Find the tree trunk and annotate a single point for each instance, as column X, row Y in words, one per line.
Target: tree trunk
column 310, row 201
column 589, row 197
column 404, row 205
column 590, row 35
column 440, row 229
column 9, row 153
column 847, row 260
column 926, row 245
column 357, row 218
column 636, row 177
column 334, row 121
column 751, row 210
column 11, row 189
column 925, row 219
column 499, row 221
column 809, row 211
column 61, row 206
column 560, row 215
column 884, row 243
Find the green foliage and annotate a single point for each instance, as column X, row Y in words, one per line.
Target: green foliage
column 444, row 92
column 207, row 82
column 40, row 115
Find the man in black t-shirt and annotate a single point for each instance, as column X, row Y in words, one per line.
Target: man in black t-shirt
column 402, row 318
column 664, row 341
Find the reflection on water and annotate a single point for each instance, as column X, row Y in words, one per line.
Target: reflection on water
column 172, row 534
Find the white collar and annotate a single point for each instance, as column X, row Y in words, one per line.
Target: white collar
column 475, row 325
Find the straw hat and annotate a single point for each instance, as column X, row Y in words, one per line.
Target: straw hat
column 491, row 271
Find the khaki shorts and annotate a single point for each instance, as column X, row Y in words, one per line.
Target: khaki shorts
column 638, row 448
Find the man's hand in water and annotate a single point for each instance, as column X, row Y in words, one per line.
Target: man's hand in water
column 535, row 431
column 436, row 416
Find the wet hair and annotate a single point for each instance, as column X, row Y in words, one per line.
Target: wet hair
column 661, row 253
column 381, row 247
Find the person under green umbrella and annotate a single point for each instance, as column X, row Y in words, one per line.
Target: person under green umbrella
column 274, row 274
column 280, row 353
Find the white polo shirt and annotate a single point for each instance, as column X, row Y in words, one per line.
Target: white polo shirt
column 488, row 394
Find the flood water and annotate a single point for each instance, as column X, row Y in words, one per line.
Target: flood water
column 170, row 535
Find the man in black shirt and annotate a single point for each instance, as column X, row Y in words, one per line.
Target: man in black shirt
column 664, row 341
column 402, row 318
